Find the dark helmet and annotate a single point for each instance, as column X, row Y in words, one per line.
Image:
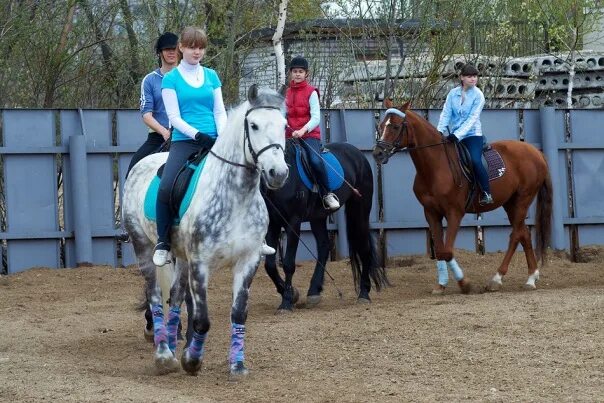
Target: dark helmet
column 298, row 62
column 468, row 70
column 167, row 40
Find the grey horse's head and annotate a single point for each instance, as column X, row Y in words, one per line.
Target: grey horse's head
column 265, row 124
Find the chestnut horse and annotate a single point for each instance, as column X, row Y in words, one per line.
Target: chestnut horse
column 443, row 191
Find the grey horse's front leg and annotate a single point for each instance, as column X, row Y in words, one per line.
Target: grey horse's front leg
column 242, row 280
column 192, row 356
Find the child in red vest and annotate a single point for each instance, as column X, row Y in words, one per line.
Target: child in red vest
column 303, row 118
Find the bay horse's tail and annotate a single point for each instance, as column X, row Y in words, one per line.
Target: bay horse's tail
column 362, row 248
column 543, row 219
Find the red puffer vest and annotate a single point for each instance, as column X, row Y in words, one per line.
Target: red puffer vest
column 298, row 109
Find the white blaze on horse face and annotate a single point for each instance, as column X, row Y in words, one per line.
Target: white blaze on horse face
column 386, row 124
column 270, row 131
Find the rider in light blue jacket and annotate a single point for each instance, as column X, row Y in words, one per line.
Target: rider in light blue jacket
column 460, row 119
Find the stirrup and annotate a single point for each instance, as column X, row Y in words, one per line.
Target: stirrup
column 331, row 202
column 485, row 198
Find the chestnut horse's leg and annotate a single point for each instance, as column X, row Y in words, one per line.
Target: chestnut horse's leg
column 453, row 221
column 444, row 251
column 436, row 233
column 516, row 209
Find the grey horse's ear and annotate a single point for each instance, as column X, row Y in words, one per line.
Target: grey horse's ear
column 252, row 93
column 283, row 90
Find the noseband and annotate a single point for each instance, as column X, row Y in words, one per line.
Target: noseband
column 246, row 139
column 392, row 147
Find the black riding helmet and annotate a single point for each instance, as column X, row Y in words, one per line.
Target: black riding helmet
column 468, row 70
column 298, row 62
column 167, row 40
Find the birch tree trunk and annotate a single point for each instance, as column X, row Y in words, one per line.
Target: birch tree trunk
column 278, row 44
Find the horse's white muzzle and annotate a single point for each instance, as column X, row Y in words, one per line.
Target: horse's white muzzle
column 275, row 178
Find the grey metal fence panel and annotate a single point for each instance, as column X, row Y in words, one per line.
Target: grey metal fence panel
column 31, row 191
column 406, row 242
column 400, row 204
column 587, row 169
column 131, row 133
column 98, row 132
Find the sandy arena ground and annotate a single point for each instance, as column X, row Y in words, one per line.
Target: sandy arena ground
column 74, row 335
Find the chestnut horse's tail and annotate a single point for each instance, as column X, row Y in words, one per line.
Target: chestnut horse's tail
column 543, row 219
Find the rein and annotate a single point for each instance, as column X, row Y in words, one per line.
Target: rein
column 391, row 148
column 246, row 138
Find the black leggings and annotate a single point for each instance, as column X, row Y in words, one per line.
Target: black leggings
column 180, row 151
column 151, row 145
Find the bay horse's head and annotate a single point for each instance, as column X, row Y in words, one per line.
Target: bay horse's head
column 394, row 132
column 264, row 128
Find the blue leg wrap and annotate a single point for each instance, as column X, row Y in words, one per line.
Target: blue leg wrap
column 159, row 327
column 173, row 320
column 443, row 275
column 237, row 336
column 455, row 269
column 196, row 348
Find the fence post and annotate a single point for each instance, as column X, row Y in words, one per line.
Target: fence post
column 79, row 196
column 550, row 149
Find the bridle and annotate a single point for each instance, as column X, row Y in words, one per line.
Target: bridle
column 246, row 139
column 392, row 147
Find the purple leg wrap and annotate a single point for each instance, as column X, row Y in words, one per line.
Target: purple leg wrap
column 237, row 345
column 173, row 320
column 159, row 328
column 196, row 347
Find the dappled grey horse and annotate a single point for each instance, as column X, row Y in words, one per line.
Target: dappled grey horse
column 223, row 227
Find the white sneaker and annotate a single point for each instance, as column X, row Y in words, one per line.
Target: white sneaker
column 161, row 257
column 331, row 201
column 267, row 250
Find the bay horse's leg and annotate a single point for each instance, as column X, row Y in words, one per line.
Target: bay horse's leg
column 270, row 261
column 192, row 356
column 290, row 293
column 242, row 280
column 319, row 230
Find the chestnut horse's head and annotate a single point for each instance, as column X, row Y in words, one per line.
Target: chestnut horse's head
column 394, row 133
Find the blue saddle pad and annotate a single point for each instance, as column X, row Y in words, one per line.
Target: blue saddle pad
column 335, row 172
column 151, row 195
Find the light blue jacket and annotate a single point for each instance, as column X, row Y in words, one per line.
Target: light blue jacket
column 462, row 120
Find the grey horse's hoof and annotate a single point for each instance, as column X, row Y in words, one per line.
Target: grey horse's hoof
column 190, row 365
column 238, row 371
column 165, row 362
column 312, row 300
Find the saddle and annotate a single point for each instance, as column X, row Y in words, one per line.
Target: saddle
column 491, row 160
column 335, row 172
column 183, row 178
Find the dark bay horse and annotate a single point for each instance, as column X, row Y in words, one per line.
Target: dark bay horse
column 442, row 190
column 295, row 203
